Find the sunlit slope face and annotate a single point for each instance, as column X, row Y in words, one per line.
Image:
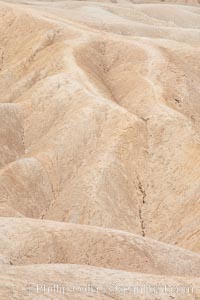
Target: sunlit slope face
column 99, row 115
column 104, row 128
column 99, row 141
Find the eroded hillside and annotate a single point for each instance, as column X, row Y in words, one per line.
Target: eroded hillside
column 99, row 145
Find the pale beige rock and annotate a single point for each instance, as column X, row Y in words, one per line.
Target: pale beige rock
column 110, row 284
column 30, row 241
column 99, row 129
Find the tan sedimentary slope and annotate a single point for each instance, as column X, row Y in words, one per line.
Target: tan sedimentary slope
column 31, row 241
column 15, row 283
column 99, row 126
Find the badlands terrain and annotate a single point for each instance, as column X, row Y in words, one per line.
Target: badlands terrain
column 99, row 149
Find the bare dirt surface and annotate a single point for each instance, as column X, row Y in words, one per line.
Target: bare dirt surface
column 99, row 148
